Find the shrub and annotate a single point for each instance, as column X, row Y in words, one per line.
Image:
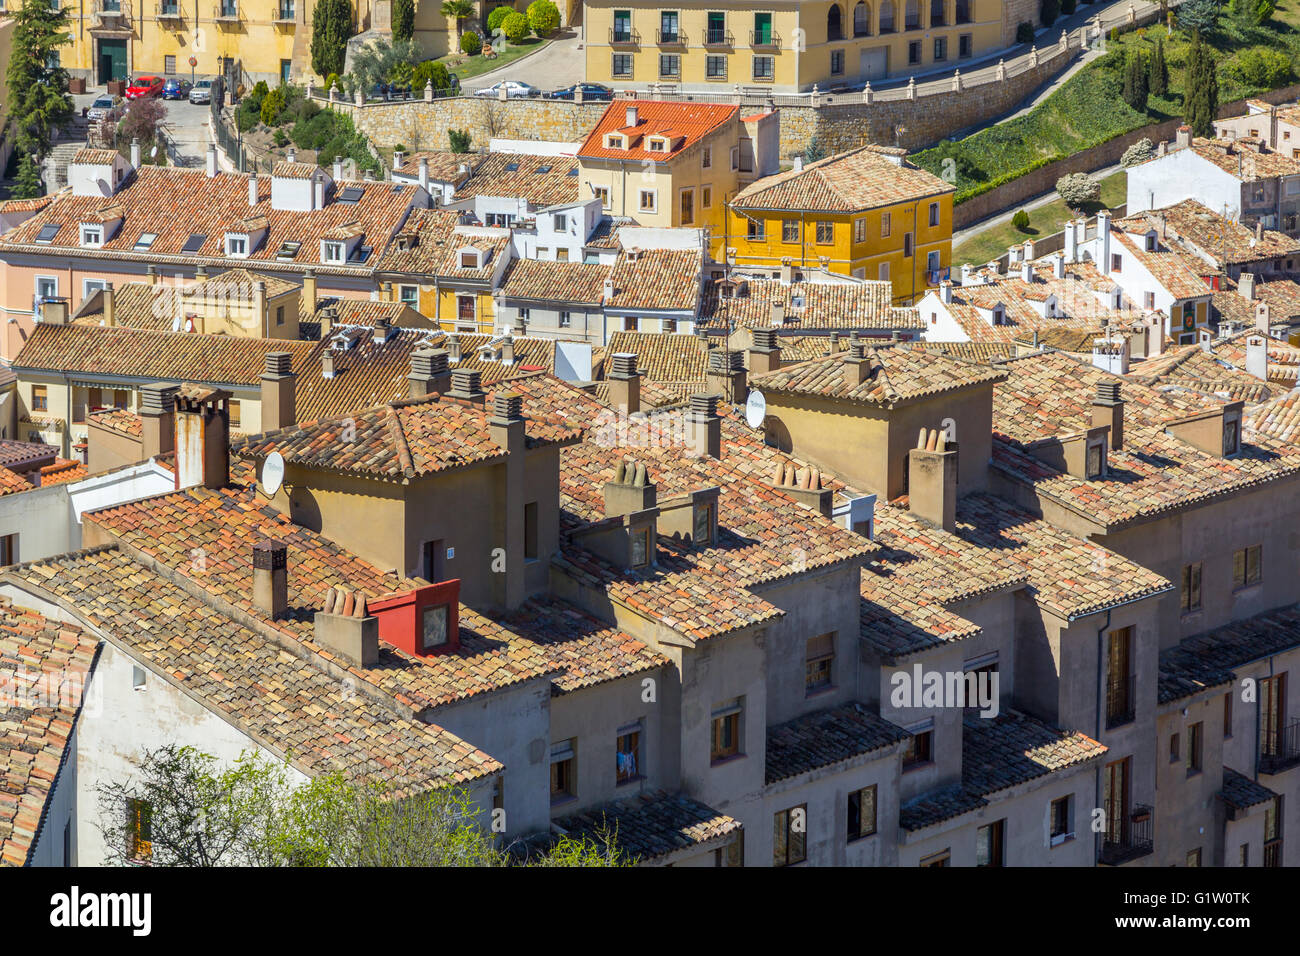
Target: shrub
column 471, row 44
column 273, row 105
column 1114, row 34
column 1020, row 221
column 1049, row 11
column 332, row 81
column 1139, row 152
column 280, row 138
column 496, row 16
column 459, row 140
column 248, row 114
column 430, row 71
column 543, row 17
column 515, row 27
column 1198, row 16
column 1260, row 66
column 1078, row 190
column 1025, row 33
column 403, row 19
column 260, row 89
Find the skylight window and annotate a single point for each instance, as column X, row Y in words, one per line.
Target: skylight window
column 543, row 169
column 288, row 250
column 352, row 194
column 512, row 167
column 572, row 172
column 145, row 241
column 360, row 254
column 47, row 233
column 194, row 243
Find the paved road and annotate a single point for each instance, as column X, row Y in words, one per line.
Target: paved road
column 560, row 63
column 186, row 124
column 1005, row 216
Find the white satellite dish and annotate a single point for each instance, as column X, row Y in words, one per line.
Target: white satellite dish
column 755, row 408
column 272, row 473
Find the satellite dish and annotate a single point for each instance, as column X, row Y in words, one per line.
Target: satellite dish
column 755, row 408
column 272, row 473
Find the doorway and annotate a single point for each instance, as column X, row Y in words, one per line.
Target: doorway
column 873, row 64
column 111, row 61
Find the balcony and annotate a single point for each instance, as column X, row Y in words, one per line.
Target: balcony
column 1273, row 853
column 765, row 39
column 1132, row 838
column 285, row 14
column 1280, row 749
column 670, row 38
column 719, row 38
column 624, row 36
column 111, row 13
column 226, row 13
column 168, row 10
column 1120, row 697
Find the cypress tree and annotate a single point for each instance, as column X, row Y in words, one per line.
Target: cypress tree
column 1159, row 78
column 403, row 19
column 27, row 185
column 1135, row 82
column 1201, row 89
column 331, row 26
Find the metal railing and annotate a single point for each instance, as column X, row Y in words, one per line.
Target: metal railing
column 285, row 13
column 168, row 10
column 1121, row 701
column 1279, row 749
column 226, row 10
column 765, row 38
column 671, row 38
column 624, row 37
column 719, row 38
column 1129, row 837
column 1273, row 853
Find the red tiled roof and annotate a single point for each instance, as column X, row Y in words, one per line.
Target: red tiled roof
column 692, row 122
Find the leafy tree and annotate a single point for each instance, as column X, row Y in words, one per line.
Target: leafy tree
column 1025, row 32
column 496, row 16
column 543, row 17
column 459, row 140
column 1135, row 82
column 331, row 26
column 471, row 43
column 28, row 184
column 1200, row 89
column 430, row 71
column 1048, row 11
column 141, row 121
column 1262, row 67
column 1158, row 75
column 38, row 92
column 1078, row 190
column 403, row 19
column 381, row 62
column 515, row 27
column 273, row 104
column 1198, row 16
column 1139, row 152
column 1020, row 221
column 459, row 10
column 1251, row 13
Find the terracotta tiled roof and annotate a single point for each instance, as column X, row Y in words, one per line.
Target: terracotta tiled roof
column 656, row 279
column 860, row 179
column 95, row 157
column 1244, row 159
column 25, row 205
column 444, row 166
column 936, row 806
column 1179, row 273
column 152, row 355
column 433, row 240
column 1226, row 241
column 1208, row 660
column 538, row 281
column 809, row 306
column 137, row 305
column 826, row 737
column 1242, row 793
column 650, row 826
column 1282, row 296
column 664, row 356
column 686, row 123
column 118, row 420
column 355, row 311
column 540, row 180
column 12, row 483
column 24, row 454
column 37, row 720
column 606, row 233
column 287, row 170
column 176, row 203
column 1221, row 371
column 897, row 374
column 63, row 470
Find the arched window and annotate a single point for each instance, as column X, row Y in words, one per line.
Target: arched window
column 937, row 18
column 886, row 16
column 834, row 24
column 861, row 20
column 913, row 15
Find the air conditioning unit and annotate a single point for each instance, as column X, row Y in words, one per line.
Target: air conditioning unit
column 1060, row 838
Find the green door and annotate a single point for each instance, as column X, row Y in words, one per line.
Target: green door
column 112, row 60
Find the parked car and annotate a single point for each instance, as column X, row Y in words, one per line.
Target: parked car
column 100, row 109
column 176, row 89
column 514, row 89
column 201, row 92
column 590, row 91
column 143, row 87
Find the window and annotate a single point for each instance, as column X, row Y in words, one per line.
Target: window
column 717, row 28
column 658, row 144
column 530, row 531
column 907, row 245
column 688, row 206
column 1175, row 748
column 629, row 323
column 560, row 222
column 1191, row 593
column 934, row 214
column 670, row 64
column 640, row 547
column 726, row 731
column 756, row 229
column 622, row 32
column 837, row 62
column 409, row 294
column 940, row 48
column 706, row 197
column 964, row 48
column 763, row 67
column 668, row 29
column 859, row 230
column 825, row 233
column 648, row 200
column 561, row 255
column 914, row 52
column 715, row 67
column 1231, row 436
column 885, row 224
column 762, row 28
column 919, row 749
column 138, row 677
column 861, row 20
column 1062, row 823
column 564, row 758
column 789, row 230
column 1244, row 856
column 139, row 831
column 333, row 251
column 706, row 157
column 1116, row 262
column 790, row 836
column 1273, row 834
column 566, row 319
column 622, row 66
column 92, row 235
column 862, row 813
column 1194, row 857
column 236, row 245
column 9, row 549
column 936, row 859
column 989, row 844
column 819, row 663
column 702, row 522
column 145, row 241
column 1227, row 715
column 601, row 193
column 882, row 272
column 628, row 755
column 932, row 261
column 169, row 65
column 1195, row 740
column 1245, row 567
column 40, row 398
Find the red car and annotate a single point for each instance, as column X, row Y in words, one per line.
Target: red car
column 143, row 87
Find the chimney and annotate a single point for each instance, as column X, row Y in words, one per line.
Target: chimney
column 1183, row 138
column 508, row 350
column 778, row 313
column 318, row 194
column 109, row 298
column 309, row 292
column 945, row 292
column 271, row 577
column 291, row 154
column 467, row 384
column 932, row 480
column 967, row 273
column 631, row 491
column 202, row 437
column 399, row 157
column 1246, row 285
column 1027, row 271
column 252, row 189
column 726, row 375
column 1205, row 340
column 631, row 116
column 1108, row 409
column 135, row 153
column 152, row 272
column 857, row 366
column 506, row 429
column 704, row 427
column 429, row 373
column 212, row 160
column 1257, row 356
column 798, row 164
column 1103, row 241
column 279, row 387
column 1014, row 255
column 1072, row 241
column 1259, row 230
column 453, row 348
column 787, row 270
column 157, row 419
column 1058, row 265
column 382, row 330
column 345, row 625
column 259, row 306
column 764, row 352
column 327, row 363
column 624, row 383
column 1262, row 323
column 338, row 169
column 54, row 311
column 424, row 173
column 1029, row 250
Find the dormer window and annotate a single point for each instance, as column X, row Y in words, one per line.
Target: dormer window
column 1097, row 458
column 469, row 260
column 703, row 524
column 92, row 234
column 236, row 245
column 999, row 315
column 1151, row 242
column 434, row 633
column 614, row 141
column 640, row 554
column 1231, row 434
column 332, row 252
column 658, row 145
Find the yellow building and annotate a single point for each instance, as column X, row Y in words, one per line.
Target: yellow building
column 789, row 46
column 674, row 165
column 866, row 213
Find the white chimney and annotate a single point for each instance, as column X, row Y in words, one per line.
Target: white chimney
column 1246, row 285
column 212, row 160
column 292, row 155
column 1205, row 340
column 631, row 116
column 424, row 173
column 1257, row 356
column 1103, row 240
column 252, row 189
column 1058, row 265
column 967, row 271
column 318, row 194
column 1071, row 242
column 1262, row 323
column 945, row 292
column 1027, row 271
column 338, row 169
column 135, row 153
column 798, row 163
column 1029, row 250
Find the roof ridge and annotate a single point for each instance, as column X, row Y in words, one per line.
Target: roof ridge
column 399, row 440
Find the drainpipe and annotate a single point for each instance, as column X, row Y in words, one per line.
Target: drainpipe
column 1101, row 637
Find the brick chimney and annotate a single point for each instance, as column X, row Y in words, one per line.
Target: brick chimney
column 1108, row 409
column 624, row 383
column 467, row 384
column 631, row 490
column 345, row 625
column 857, row 365
column 704, row 427
column 506, row 428
column 271, row 577
column 764, row 352
column 726, row 375
column 932, row 480
column 157, row 419
column 279, row 392
column 202, row 437
column 430, row 373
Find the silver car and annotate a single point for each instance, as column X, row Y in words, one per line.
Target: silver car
column 100, row 109
column 201, row 92
column 514, row 89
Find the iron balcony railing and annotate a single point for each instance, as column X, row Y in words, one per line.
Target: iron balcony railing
column 624, row 36
column 767, row 38
column 1273, row 853
column 169, row 10
column 719, row 38
column 1129, row 837
column 670, row 38
column 1120, row 701
column 1279, row 749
